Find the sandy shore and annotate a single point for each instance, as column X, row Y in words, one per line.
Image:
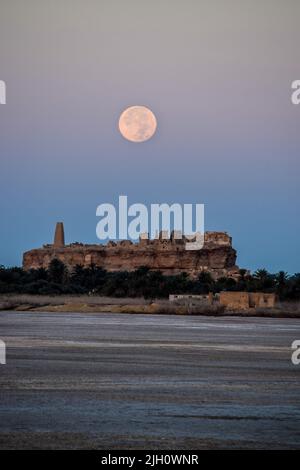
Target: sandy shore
column 95, row 304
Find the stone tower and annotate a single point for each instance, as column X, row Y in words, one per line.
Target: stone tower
column 59, row 237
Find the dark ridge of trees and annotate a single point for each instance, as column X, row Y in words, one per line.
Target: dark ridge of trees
column 58, row 280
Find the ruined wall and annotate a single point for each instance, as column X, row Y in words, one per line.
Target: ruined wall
column 235, row 300
column 202, row 299
column 261, row 300
column 246, row 300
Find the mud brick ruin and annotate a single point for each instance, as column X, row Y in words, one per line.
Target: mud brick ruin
column 167, row 255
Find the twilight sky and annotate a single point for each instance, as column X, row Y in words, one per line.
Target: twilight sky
column 216, row 73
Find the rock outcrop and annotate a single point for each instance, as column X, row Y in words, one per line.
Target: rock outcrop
column 167, row 255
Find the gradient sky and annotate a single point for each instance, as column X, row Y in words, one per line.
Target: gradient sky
column 216, row 73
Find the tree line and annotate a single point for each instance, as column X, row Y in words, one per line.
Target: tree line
column 93, row 280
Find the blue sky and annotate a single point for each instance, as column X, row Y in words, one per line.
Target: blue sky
column 216, row 74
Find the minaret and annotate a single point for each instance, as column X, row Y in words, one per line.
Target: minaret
column 59, row 237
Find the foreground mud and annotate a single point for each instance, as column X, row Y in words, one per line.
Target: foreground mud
column 107, row 381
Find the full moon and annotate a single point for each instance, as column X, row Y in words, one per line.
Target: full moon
column 137, row 123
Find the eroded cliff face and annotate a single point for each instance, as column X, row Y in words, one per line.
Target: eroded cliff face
column 169, row 256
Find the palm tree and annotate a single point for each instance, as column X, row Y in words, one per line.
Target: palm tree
column 263, row 280
column 57, row 271
column 206, row 282
column 281, row 278
column 242, row 273
column 261, row 274
column 281, row 283
column 205, row 278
